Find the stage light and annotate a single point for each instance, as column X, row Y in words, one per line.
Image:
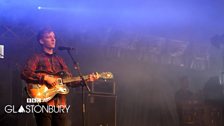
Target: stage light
column 39, row 7
column 1, row 51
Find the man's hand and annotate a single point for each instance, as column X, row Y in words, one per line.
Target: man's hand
column 50, row 80
column 93, row 77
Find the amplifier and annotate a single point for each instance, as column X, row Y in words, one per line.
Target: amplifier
column 103, row 87
column 101, row 110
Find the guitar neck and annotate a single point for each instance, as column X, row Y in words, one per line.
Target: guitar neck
column 103, row 75
column 74, row 79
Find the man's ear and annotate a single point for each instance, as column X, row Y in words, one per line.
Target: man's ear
column 41, row 42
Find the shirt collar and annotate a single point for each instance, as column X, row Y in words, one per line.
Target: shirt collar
column 47, row 54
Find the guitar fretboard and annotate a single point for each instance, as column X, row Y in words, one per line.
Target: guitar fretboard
column 74, row 79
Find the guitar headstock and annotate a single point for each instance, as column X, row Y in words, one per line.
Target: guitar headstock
column 106, row 75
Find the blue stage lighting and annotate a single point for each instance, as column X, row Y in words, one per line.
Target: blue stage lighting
column 39, row 7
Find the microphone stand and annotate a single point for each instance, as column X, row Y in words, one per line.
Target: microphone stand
column 83, row 84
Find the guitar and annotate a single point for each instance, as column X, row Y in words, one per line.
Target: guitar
column 45, row 92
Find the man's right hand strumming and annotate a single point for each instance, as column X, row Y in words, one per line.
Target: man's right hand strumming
column 50, row 80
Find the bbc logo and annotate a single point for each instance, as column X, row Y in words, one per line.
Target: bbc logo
column 33, row 100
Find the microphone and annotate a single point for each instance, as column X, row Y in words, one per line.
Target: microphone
column 65, row 48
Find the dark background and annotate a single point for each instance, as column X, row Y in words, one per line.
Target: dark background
column 147, row 45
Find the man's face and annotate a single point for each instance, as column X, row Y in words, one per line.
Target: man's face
column 48, row 40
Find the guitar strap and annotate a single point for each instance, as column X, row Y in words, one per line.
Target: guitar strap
column 68, row 73
column 57, row 57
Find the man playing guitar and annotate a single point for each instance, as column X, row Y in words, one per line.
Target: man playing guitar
column 48, row 62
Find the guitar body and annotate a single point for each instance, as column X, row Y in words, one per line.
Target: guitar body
column 45, row 92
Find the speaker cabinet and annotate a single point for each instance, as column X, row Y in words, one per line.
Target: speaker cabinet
column 101, row 110
column 103, row 87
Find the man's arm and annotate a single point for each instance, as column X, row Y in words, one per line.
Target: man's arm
column 28, row 74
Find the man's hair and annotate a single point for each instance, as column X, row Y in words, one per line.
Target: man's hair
column 43, row 31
